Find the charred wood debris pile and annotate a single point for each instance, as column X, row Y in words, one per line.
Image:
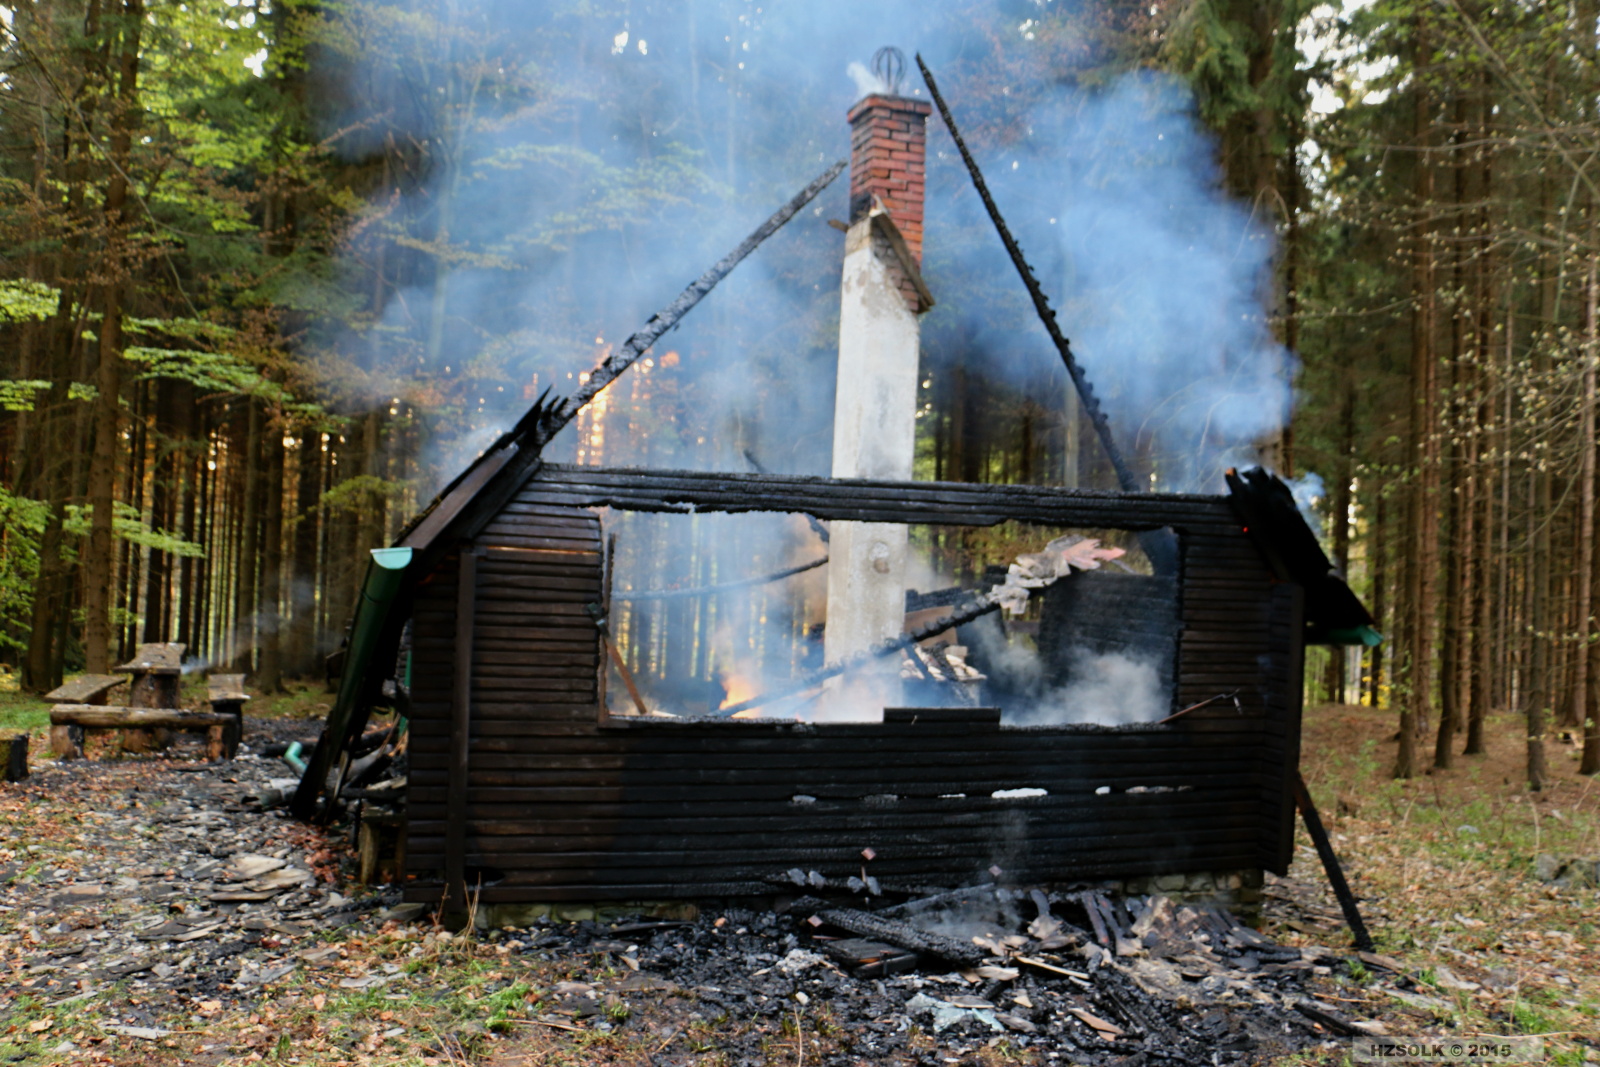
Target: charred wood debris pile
column 1079, row 975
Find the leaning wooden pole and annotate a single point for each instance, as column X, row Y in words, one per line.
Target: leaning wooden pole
column 1330, row 864
column 1041, row 303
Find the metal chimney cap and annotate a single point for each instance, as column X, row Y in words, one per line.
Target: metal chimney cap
column 889, row 64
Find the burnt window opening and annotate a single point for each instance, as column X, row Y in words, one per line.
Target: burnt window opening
column 725, row 617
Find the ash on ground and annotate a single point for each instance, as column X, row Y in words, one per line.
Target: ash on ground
column 1177, row 984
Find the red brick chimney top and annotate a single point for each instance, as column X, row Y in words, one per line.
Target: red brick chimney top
column 888, row 159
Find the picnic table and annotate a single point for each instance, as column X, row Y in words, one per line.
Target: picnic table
column 83, row 716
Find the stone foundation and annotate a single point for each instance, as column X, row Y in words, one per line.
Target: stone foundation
column 499, row 916
column 1238, row 891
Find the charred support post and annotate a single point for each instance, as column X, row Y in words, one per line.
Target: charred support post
column 455, row 860
column 1330, row 863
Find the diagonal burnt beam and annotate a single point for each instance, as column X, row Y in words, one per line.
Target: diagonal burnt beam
column 537, row 430
column 964, row 613
column 1041, row 302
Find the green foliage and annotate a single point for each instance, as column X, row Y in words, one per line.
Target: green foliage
column 220, row 372
column 26, row 301
column 19, row 395
column 359, row 494
column 22, row 523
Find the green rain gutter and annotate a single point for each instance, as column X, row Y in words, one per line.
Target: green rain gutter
column 385, row 578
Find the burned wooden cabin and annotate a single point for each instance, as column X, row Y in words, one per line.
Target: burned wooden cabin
column 522, row 783
column 525, row 786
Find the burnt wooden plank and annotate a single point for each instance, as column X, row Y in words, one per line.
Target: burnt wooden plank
column 944, row 503
column 968, row 832
column 517, row 515
column 697, row 863
column 853, row 762
column 844, row 843
column 461, row 711
column 952, row 821
column 577, row 789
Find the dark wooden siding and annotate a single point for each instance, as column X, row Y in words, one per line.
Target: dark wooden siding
column 561, row 807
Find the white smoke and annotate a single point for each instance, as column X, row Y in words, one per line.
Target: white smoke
column 1107, row 690
column 1309, row 492
column 867, row 82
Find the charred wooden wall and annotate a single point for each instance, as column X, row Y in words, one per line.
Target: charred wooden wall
column 554, row 804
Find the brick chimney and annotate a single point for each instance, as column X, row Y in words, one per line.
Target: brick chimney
column 888, row 160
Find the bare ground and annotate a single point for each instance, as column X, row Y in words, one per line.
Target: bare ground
column 1447, row 866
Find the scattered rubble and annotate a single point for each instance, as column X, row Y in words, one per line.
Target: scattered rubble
column 1180, row 984
column 181, row 888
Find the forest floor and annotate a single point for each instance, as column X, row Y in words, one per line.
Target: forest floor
column 109, row 873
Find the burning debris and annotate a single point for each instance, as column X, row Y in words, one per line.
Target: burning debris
column 1058, row 974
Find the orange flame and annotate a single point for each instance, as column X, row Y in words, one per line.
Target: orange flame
column 739, row 688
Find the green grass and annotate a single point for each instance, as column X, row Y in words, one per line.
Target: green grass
column 21, row 712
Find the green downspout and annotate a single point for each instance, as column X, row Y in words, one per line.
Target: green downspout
column 385, row 577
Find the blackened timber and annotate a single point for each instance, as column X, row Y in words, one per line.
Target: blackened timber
column 517, row 453
column 866, row 500
column 460, row 719
column 903, row 935
column 1330, row 864
column 1041, row 303
column 477, row 499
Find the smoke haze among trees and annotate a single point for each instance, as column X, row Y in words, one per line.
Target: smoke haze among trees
column 275, row 271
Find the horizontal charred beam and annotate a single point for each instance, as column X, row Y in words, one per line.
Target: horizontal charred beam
column 863, row 500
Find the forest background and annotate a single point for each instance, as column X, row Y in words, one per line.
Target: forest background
column 270, row 273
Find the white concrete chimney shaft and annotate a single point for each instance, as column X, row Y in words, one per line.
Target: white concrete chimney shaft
column 874, row 436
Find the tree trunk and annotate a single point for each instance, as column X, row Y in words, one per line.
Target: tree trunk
column 158, row 570
column 269, row 625
column 1339, row 526
column 97, row 574
column 1421, row 525
column 303, row 580
column 1586, row 696
column 1378, row 549
column 247, row 559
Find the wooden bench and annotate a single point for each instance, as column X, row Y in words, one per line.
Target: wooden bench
column 227, row 696
column 86, row 689
column 221, row 728
column 145, row 723
column 66, row 741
